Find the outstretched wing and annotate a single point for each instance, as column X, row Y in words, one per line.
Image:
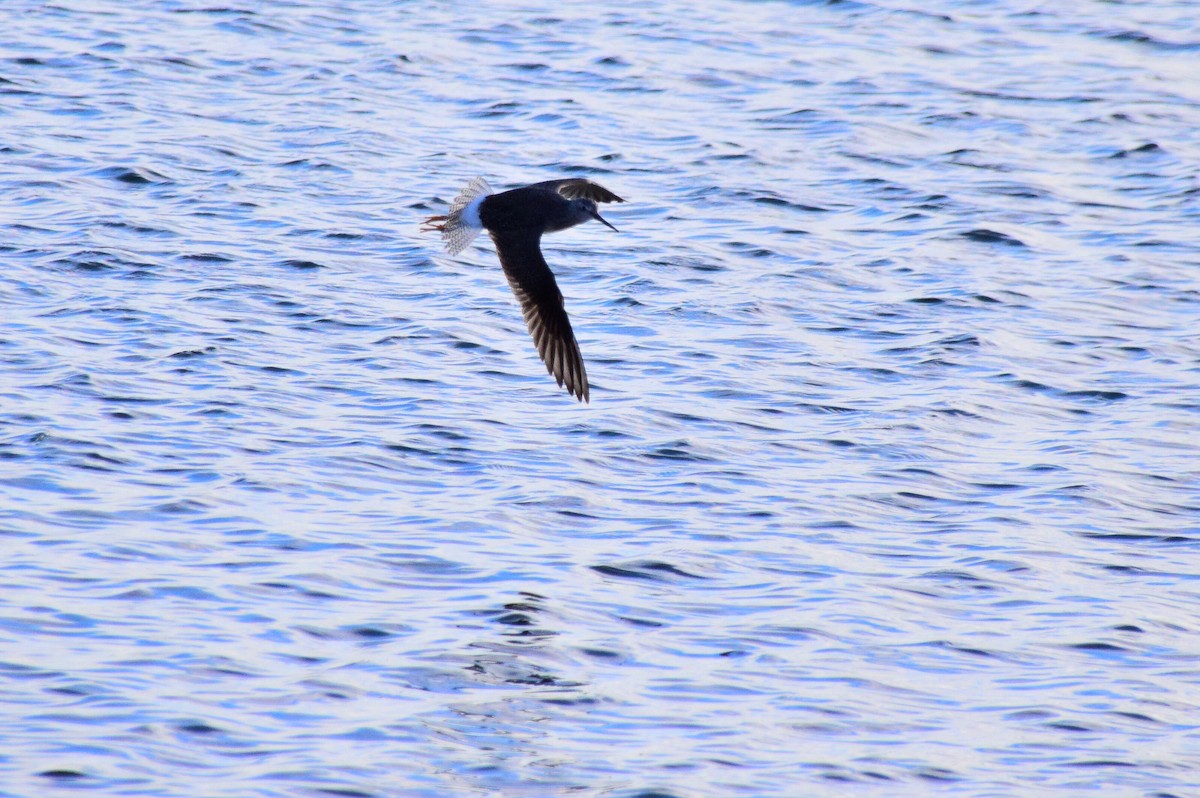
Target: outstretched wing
column 542, row 305
column 577, row 187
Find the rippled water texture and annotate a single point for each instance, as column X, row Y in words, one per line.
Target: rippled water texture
column 889, row 481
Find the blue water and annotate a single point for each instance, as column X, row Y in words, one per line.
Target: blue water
column 890, row 480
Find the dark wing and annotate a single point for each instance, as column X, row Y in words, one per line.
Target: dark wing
column 542, row 304
column 576, row 187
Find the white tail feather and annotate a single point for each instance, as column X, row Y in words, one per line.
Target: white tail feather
column 463, row 222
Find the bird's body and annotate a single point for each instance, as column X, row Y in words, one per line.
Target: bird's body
column 516, row 221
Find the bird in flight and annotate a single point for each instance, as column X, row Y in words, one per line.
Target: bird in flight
column 516, row 220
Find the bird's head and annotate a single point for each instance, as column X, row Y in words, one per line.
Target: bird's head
column 586, row 208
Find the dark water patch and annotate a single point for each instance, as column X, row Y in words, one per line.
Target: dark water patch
column 301, row 265
column 99, row 261
column 678, row 450
column 695, row 264
column 749, row 249
column 780, row 202
column 63, row 774
column 356, row 633
column 956, row 577
column 643, row 622
column 1101, row 763
column 1103, row 647
column 937, row 774
column 801, row 117
column 1147, row 148
column 515, row 619
column 1138, row 537
column 198, row 728
column 1017, row 191
column 1147, row 40
column 213, row 10
column 193, row 353
column 299, row 590
column 494, row 110
column 182, row 62
column 999, row 487
column 823, row 408
column 986, row 236
column 1099, row 396
column 974, row 652
column 314, row 164
column 648, row 570
column 1135, row 716
column 519, row 673
column 1065, row 96
column 133, row 176
column 205, row 257
column 140, row 229
column 727, row 156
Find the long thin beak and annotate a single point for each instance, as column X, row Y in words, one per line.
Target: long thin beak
column 596, row 215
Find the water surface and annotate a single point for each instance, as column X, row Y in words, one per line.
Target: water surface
column 888, row 484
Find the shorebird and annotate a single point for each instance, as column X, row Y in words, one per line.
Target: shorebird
column 516, row 221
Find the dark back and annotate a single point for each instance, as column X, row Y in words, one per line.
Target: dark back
column 528, row 208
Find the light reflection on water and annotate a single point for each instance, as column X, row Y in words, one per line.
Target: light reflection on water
column 888, row 481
